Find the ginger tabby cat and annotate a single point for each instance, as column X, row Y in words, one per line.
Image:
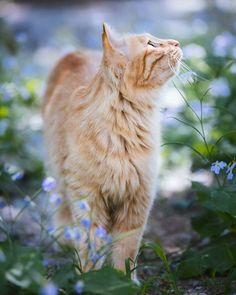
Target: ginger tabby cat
column 103, row 134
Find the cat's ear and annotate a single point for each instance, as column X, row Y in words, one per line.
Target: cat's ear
column 106, row 38
column 111, row 41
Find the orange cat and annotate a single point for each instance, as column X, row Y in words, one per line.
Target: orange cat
column 103, row 133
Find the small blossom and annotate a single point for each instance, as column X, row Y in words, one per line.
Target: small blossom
column 222, row 43
column 72, row 233
column 28, row 202
column 77, row 235
column 229, row 171
column 49, row 289
column 2, row 203
column 217, row 166
column 100, row 232
column 46, row 262
column 220, row 87
column 94, row 257
column 55, row 198
column 68, row 235
column 50, row 262
column 83, row 205
column 194, row 51
column 79, row 287
column 51, row 230
column 18, row 175
column 49, row 184
column 85, row 222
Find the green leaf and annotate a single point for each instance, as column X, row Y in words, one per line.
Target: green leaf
column 210, row 224
column 159, row 252
column 216, row 199
column 107, row 281
column 219, row 256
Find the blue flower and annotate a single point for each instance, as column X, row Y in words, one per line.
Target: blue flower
column 17, row 176
column 72, row 233
column 229, row 171
column 79, row 287
column 101, row 232
column 94, row 257
column 85, row 222
column 222, row 43
column 77, row 235
column 28, row 202
column 68, row 233
column 194, row 51
column 55, row 198
column 46, row 262
column 220, row 87
column 49, row 289
column 83, row 205
column 51, row 230
column 2, row 203
column 217, row 166
column 49, row 184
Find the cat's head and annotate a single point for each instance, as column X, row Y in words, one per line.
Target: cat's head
column 140, row 61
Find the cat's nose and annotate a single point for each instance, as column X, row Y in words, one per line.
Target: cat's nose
column 174, row 42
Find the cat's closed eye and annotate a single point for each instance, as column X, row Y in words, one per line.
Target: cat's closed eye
column 153, row 44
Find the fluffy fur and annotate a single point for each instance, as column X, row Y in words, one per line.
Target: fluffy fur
column 102, row 131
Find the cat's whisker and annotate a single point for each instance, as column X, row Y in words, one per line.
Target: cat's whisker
column 175, row 72
column 184, row 64
column 187, row 68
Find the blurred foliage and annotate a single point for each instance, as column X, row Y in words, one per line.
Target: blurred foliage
column 207, row 127
column 18, row 104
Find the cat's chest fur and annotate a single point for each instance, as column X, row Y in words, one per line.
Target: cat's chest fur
column 115, row 152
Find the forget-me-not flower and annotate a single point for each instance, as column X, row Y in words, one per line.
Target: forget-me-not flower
column 229, row 171
column 18, row 175
column 29, row 202
column 222, row 43
column 217, row 166
column 79, row 287
column 55, row 198
column 220, row 87
column 101, row 232
column 72, row 233
column 83, row 205
column 2, row 203
column 194, row 50
column 49, row 289
column 85, row 222
column 49, row 184
column 51, row 230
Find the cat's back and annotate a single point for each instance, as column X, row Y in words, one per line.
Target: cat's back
column 74, row 70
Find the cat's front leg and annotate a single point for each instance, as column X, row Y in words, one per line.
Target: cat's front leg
column 128, row 231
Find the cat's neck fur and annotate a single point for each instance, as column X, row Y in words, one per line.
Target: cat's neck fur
column 128, row 117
